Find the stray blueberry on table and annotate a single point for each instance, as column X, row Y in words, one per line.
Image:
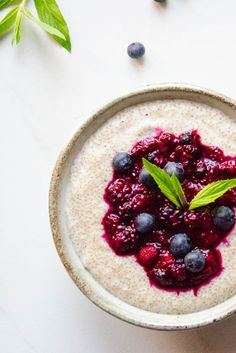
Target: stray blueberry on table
column 122, row 162
column 136, row 50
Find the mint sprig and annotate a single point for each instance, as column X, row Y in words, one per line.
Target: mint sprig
column 49, row 12
column 50, row 20
column 8, row 21
column 171, row 187
column 7, row 3
column 168, row 185
column 178, row 190
column 212, row 192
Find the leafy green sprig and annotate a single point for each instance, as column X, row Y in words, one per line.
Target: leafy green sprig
column 171, row 187
column 50, row 19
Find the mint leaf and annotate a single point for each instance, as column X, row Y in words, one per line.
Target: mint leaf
column 8, row 21
column 178, row 190
column 211, row 192
column 163, row 181
column 49, row 13
column 7, row 3
column 46, row 27
column 18, row 26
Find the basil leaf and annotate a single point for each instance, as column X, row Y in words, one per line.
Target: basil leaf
column 45, row 26
column 18, row 26
column 178, row 190
column 49, row 13
column 163, row 181
column 7, row 3
column 8, row 21
column 211, row 192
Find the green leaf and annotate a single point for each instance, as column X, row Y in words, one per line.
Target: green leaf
column 18, row 26
column 163, row 181
column 49, row 13
column 7, row 3
column 178, row 190
column 211, row 192
column 8, row 21
column 45, row 26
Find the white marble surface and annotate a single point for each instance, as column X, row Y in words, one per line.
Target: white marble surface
column 44, row 94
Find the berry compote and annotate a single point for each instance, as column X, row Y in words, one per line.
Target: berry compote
column 130, row 193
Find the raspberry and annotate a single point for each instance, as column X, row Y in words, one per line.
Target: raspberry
column 145, row 146
column 148, row 255
column 198, row 219
column 160, row 236
column 215, row 153
column 179, row 272
column 168, row 139
column 184, row 154
column 170, row 216
column 228, row 198
column 229, row 168
column 165, row 259
column 191, row 189
column 208, row 239
column 125, row 241
column 110, row 222
column 118, row 191
column 124, row 208
column 140, row 203
column 160, row 161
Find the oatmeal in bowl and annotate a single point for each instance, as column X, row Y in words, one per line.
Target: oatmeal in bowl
column 142, row 207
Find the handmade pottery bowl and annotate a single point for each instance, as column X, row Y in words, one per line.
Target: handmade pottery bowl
column 72, row 262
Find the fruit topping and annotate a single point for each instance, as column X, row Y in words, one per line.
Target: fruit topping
column 145, row 222
column 223, row 218
column 171, row 203
column 122, row 162
column 175, row 168
column 180, row 245
column 194, row 261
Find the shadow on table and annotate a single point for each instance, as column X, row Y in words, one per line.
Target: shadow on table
column 120, row 337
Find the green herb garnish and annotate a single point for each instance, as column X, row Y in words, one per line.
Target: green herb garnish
column 171, row 187
column 211, row 192
column 178, row 190
column 50, row 20
column 168, row 185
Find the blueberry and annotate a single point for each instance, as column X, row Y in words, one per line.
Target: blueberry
column 175, row 168
column 122, row 162
column 136, row 50
column 186, row 138
column 223, row 217
column 180, row 245
column 146, row 179
column 145, row 222
column 194, row 261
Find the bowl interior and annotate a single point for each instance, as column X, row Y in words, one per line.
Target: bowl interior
column 69, row 257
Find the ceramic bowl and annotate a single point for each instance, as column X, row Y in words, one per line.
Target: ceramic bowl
column 82, row 278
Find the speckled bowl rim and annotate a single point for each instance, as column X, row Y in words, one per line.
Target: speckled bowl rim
column 115, row 306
